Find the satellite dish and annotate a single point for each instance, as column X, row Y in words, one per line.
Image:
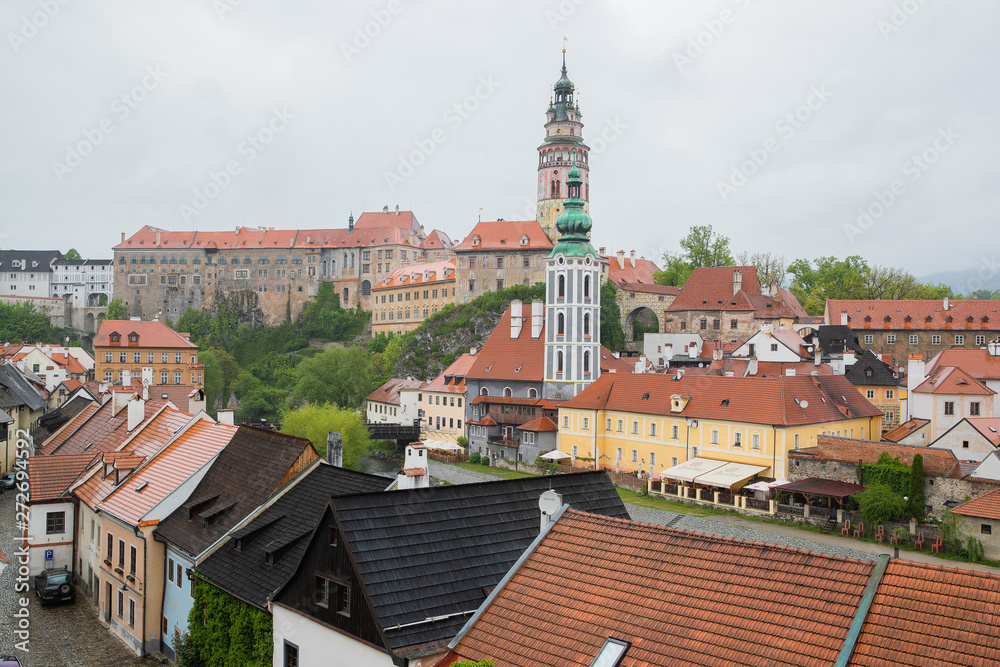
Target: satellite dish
column 549, row 502
column 803, row 404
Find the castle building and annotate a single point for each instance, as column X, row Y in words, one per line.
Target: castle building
column 126, row 349
column 411, row 294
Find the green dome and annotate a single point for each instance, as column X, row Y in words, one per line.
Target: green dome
column 574, row 224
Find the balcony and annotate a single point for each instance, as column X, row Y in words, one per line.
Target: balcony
column 503, row 442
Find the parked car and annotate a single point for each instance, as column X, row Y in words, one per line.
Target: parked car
column 9, row 661
column 56, row 585
column 7, row 481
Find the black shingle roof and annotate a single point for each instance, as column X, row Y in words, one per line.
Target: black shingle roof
column 838, row 339
column 432, row 552
column 292, row 516
column 243, row 476
column 15, row 390
column 880, row 375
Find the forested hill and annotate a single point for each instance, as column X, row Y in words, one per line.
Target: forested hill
column 443, row 337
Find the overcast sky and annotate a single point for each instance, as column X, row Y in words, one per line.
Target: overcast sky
column 775, row 122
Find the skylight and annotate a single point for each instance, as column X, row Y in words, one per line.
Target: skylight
column 611, row 653
column 142, row 487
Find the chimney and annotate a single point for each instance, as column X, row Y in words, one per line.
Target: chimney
column 309, row 239
column 621, row 259
column 752, row 367
column 147, row 375
column 717, row 354
column 632, row 258
column 515, row 318
column 158, row 232
column 843, row 318
column 225, row 417
column 946, row 304
column 385, row 209
column 537, row 318
column 126, row 378
column 914, row 372
column 819, row 356
column 602, row 251
column 693, row 350
column 397, row 209
column 123, row 237
column 335, row 448
column 737, row 281
column 136, row 413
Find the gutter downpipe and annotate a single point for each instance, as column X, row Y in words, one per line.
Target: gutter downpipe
column 862, row 613
column 145, row 588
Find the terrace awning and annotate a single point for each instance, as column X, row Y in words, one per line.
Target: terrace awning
column 555, row 455
column 815, row 486
column 690, row 469
column 729, row 475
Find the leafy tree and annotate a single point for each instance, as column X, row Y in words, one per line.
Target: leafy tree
column 116, row 309
column 72, row 254
column 339, row 376
column 257, row 400
column 879, row 503
column 324, row 318
column 770, row 267
column 702, row 247
column 22, row 322
column 226, row 631
column 384, row 363
column 917, row 506
column 675, row 271
column 612, row 336
column 314, row 422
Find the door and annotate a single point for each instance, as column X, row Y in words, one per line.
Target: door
column 107, row 602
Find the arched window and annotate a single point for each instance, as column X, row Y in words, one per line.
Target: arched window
column 366, row 288
column 586, row 324
column 484, row 391
column 559, row 362
column 586, row 287
column 561, row 326
column 586, row 361
column 562, row 287
column 507, row 392
column 532, row 393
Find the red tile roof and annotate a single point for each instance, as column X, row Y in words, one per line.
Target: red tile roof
column 711, row 288
column 505, row 235
column 921, row 314
column 392, row 230
column 413, row 472
column 95, row 430
column 387, row 219
column 50, row 476
column 988, row 427
column 977, row 363
column 904, row 429
column 986, row 506
column 938, row 462
column 438, row 240
column 931, row 615
column 389, row 392
column 640, row 274
column 950, row 380
column 679, row 598
column 773, row 401
column 539, row 425
column 503, row 358
column 418, row 274
column 151, row 334
column 162, row 474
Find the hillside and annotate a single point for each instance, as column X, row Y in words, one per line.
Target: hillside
column 444, row 336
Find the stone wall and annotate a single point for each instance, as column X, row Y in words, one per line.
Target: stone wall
column 629, row 302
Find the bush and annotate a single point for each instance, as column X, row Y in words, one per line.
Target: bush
column 462, row 441
column 485, row 461
column 879, row 503
column 974, row 549
column 474, row 457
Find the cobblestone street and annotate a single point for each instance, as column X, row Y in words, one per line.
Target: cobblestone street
column 67, row 635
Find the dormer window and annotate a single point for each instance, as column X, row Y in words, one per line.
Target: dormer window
column 133, row 337
column 475, row 241
column 524, row 239
column 115, row 337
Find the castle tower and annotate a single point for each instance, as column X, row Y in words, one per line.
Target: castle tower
column 572, row 301
column 563, row 149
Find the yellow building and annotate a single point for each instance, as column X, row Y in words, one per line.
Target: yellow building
column 651, row 422
column 146, row 349
column 410, row 295
column 442, row 404
column 880, row 386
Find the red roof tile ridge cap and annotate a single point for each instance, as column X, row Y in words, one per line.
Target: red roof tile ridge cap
column 720, row 539
column 945, row 568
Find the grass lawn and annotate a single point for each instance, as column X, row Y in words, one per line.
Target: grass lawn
column 489, row 470
column 634, row 498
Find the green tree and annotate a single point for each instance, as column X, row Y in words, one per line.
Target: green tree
column 72, row 254
column 703, row 247
column 917, row 501
column 339, row 376
column 879, row 503
column 676, row 270
column 227, row 632
column 324, row 318
column 612, row 336
column 213, row 378
column 195, row 323
column 22, row 322
column 116, row 310
column 314, row 422
column 384, row 363
column 770, row 267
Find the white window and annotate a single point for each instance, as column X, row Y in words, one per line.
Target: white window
column 738, row 439
column 621, row 426
column 936, row 339
column 574, row 451
column 890, row 338
column 959, row 339
column 869, row 339
column 870, row 393
column 715, row 436
column 890, row 416
column 796, row 441
column 980, row 340
column 565, row 421
column 528, row 438
column 652, row 459
column 635, row 427
column 618, row 455
column 755, row 442
column 913, row 339
column 609, row 424
column 635, row 455
column 652, row 429
column 674, row 431
column 586, row 423
column 889, row 393
column 694, row 452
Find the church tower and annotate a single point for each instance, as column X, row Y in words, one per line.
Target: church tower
column 563, row 149
column 572, row 300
